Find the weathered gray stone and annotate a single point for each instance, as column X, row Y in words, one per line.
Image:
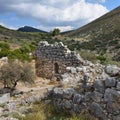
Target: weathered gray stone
column 116, row 117
column 79, row 108
column 113, row 108
column 73, row 70
column 78, row 69
column 68, row 93
column 99, row 86
column 68, row 104
column 96, row 96
column 111, row 95
column 118, row 86
column 58, row 93
column 97, row 111
column 4, row 98
column 58, row 105
column 112, row 70
column 77, row 99
column 110, row 82
column 88, row 96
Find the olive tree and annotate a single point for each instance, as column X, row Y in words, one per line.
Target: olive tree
column 13, row 72
column 55, row 32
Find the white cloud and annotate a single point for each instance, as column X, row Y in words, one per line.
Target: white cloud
column 62, row 28
column 52, row 13
column 65, row 28
column 1, row 23
column 102, row 1
column 8, row 26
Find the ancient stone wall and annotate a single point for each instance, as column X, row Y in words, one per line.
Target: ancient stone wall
column 52, row 59
column 101, row 99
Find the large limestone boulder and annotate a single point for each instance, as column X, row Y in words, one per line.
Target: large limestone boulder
column 112, row 70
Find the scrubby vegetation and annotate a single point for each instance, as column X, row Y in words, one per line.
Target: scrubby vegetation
column 13, row 72
column 21, row 53
column 42, row 111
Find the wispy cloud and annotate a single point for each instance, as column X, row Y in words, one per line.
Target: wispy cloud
column 52, row 13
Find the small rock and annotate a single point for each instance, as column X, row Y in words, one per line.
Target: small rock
column 99, row 86
column 118, row 86
column 58, row 93
column 4, row 98
column 111, row 95
column 110, row 82
column 77, row 99
column 96, row 96
column 97, row 111
column 113, row 108
column 68, row 104
column 68, row 93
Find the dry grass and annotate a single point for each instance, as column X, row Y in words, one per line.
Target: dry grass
column 41, row 111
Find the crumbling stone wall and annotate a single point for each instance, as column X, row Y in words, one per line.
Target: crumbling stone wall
column 52, row 59
column 101, row 99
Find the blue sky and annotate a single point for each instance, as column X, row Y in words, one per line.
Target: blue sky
column 49, row 14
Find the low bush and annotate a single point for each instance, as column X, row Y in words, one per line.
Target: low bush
column 87, row 55
column 4, row 45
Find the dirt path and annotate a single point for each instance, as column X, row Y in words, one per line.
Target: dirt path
column 39, row 87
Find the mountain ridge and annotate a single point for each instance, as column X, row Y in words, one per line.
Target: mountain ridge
column 30, row 29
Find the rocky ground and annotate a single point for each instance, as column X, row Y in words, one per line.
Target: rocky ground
column 90, row 87
column 21, row 101
column 93, row 88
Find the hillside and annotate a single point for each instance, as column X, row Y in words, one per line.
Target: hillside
column 101, row 35
column 17, row 37
column 30, row 29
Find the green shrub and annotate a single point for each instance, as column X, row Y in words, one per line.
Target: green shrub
column 4, row 45
column 4, row 52
column 87, row 55
column 101, row 58
column 17, row 54
column 25, row 48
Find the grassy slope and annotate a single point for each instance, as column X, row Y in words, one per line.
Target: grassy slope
column 16, row 37
column 102, row 35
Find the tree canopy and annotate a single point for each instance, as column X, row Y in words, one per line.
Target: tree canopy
column 55, row 32
column 13, row 72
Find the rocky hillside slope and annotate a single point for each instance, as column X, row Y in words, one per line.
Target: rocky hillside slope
column 102, row 35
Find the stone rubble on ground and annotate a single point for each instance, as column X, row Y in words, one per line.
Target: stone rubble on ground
column 98, row 91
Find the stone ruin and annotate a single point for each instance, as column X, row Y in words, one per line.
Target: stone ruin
column 100, row 99
column 91, row 88
column 53, row 59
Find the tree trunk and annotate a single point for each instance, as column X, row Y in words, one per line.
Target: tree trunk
column 14, row 85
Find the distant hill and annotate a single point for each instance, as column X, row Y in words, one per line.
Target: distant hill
column 30, row 29
column 102, row 35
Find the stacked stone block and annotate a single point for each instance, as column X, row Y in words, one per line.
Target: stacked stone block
column 47, row 55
